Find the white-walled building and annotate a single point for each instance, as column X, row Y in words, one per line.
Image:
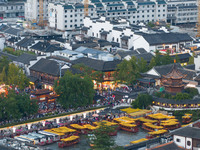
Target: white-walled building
column 32, row 8
column 183, row 138
column 11, row 9
column 182, row 11
column 134, row 11
column 68, row 16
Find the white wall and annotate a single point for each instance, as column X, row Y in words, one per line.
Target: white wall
column 182, row 140
column 197, row 62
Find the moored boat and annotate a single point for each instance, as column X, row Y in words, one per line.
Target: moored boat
column 129, row 127
column 68, row 141
column 170, row 124
column 155, row 134
column 187, row 118
column 138, row 141
column 79, row 128
column 151, row 127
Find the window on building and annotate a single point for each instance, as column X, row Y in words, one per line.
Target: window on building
column 178, row 140
column 133, row 21
column 71, row 20
column 124, row 13
column 65, row 11
column 71, row 16
column 75, row 10
column 75, row 15
column 81, row 19
column 138, row 16
column 158, row 10
column 158, row 5
column 115, row 8
column 147, row 10
column 65, row 16
column 71, row 26
column 142, row 16
column 158, row 15
column 152, row 10
column 143, row 11
column 118, row 13
column 75, row 20
column 133, row 16
column 152, row 15
column 129, row 12
column 163, row 15
column 113, row 13
column 65, row 21
column 65, row 26
column 71, row 10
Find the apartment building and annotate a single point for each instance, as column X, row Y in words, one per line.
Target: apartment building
column 11, row 9
column 32, row 8
column 182, row 11
column 134, row 11
column 68, row 16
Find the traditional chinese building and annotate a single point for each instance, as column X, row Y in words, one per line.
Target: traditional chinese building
column 173, row 81
column 46, row 99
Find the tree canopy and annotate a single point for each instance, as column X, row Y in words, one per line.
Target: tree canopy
column 142, row 101
column 103, row 141
column 74, row 90
column 129, row 70
column 15, row 106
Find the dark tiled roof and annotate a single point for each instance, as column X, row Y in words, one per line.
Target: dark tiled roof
column 9, row 56
column 25, row 42
column 25, row 58
column 126, row 53
column 12, row 31
column 46, row 66
column 3, row 27
column 89, row 45
column 98, row 65
column 125, row 37
column 171, row 101
column 191, row 132
column 141, row 50
column 13, row 39
column 191, row 67
column 182, row 56
column 164, row 69
column 146, row 56
column 45, row 47
column 166, row 38
column 167, row 146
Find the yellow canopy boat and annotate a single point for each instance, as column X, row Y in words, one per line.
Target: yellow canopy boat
column 71, row 138
column 138, row 141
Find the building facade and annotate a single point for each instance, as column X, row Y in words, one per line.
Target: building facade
column 11, row 9
column 32, row 8
column 134, row 11
column 68, row 16
column 182, row 11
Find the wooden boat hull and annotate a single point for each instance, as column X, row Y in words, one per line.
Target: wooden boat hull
column 134, row 130
column 61, row 145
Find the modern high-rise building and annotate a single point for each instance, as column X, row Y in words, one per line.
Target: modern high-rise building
column 182, row 11
column 11, row 9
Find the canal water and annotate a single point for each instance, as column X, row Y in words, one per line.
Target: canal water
column 123, row 138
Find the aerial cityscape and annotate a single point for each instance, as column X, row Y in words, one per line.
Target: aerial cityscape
column 99, row 74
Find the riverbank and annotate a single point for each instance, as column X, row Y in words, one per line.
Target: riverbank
column 49, row 117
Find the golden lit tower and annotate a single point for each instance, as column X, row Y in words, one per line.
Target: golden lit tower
column 86, row 7
column 198, row 23
column 41, row 21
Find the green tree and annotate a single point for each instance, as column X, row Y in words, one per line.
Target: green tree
column 191, row 60
column 142, row 101
column 158, row 58
column 74, row 90
column 14, row 106
column 177, row 59
column 152, row 63
column 103, row 141
column 192, row 92
column 87, row 71
column 166, row 59
column 128, row 71
column 142, row 65
column 182, row 96
column 4, row 63
column 16, row 77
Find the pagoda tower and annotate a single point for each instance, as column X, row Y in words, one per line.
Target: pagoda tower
column 173, row 81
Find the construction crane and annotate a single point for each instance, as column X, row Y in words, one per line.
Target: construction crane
column 86, row 7
column 198, row 23
column 41, row 19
